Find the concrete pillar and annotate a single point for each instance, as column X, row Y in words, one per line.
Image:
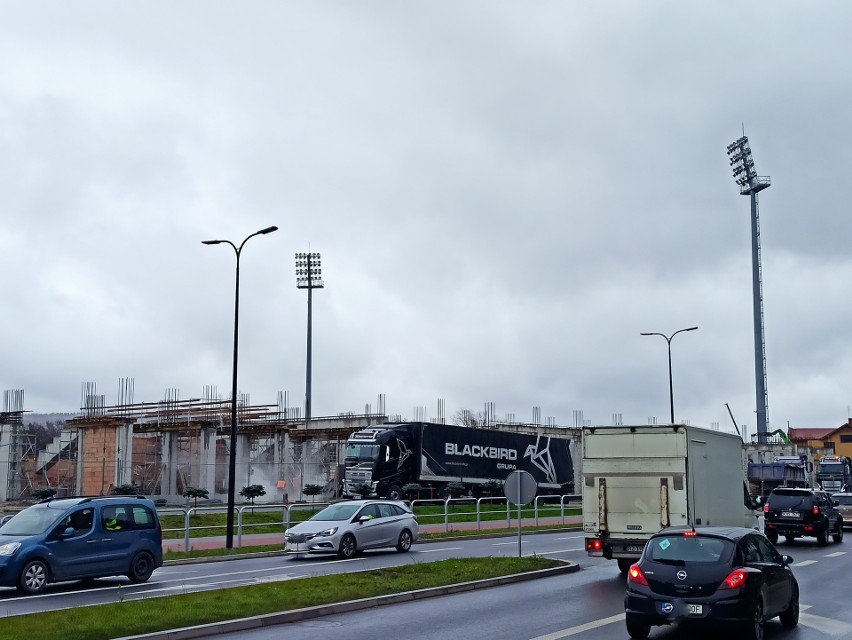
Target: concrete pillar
column 5, row 459
column 243, row 470
column 124, row 454
column 207, row 460
column 168, row 478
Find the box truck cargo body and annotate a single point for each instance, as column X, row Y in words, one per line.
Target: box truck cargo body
column 391, row 456
column 638, row 480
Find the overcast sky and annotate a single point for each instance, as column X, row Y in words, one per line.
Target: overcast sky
column 504, row 194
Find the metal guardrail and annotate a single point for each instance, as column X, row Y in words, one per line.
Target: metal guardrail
column 541, row 505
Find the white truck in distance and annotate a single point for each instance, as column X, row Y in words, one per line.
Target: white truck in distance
column 638, row 480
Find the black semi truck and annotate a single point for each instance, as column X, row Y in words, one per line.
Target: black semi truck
column 390, row 456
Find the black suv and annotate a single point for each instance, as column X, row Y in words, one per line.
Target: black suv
column 794, row 512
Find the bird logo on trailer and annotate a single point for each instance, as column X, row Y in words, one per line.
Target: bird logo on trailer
column 539, row 455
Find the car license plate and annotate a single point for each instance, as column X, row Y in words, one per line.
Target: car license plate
column 633, row 548
column 695, row 609
column 789, row 514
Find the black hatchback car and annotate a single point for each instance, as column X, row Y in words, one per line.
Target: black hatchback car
column 796, row 511
column 710, row 575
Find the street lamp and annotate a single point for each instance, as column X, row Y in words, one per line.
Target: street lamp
column 669, row 341
column 308, row 276
column 232, row 456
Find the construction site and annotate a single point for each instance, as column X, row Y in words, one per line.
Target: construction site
column 164, row 447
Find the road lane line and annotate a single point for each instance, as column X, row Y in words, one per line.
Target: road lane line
column 553, row 553
column 805, row 563
column 572, row 631
column 836, row 554
column 441, row 549
column 827, row 626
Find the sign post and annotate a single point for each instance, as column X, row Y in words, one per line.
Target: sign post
column 520, row 488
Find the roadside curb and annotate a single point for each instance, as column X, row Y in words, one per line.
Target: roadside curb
column 307, row 613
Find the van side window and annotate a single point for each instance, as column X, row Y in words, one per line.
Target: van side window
column 116, row 518
column 81, row 521
column 143, row 518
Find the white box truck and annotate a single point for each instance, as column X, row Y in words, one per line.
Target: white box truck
column 638, row 480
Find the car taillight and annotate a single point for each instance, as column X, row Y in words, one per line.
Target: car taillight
column 634, row 574
column 816, row 510
column 735, row 579
column 766, row 508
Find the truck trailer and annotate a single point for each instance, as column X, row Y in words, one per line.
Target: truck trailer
column 390, row 456
column 638, row 480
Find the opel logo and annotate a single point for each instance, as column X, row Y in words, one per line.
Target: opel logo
column 667, row 607
column 681, row 575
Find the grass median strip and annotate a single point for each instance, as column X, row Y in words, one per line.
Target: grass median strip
column 132, row 617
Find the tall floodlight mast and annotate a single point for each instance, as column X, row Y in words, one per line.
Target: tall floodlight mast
column 750, row 184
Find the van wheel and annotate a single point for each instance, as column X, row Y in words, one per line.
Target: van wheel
column 33, row 577
column 395, row 492
column 404, row 543
column 141, row 567
column 348, row 547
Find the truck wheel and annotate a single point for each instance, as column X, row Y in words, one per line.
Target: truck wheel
column 624, row 564
column 637, row 628
column 33, row 577
column 348, row 547
column 395, row 492
column 404, row 543
column 838, row 535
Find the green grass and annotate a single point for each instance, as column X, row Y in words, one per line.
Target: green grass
column 125, row 618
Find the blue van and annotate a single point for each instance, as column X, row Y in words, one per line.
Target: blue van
column 80, row 538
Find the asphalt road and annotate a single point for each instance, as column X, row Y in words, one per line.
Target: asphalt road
column 204, row 576
column 586, row 605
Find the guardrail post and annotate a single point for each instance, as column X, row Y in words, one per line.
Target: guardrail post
column 187, row 513
column 478, row 523
column 240, row 527
column 447, row 514
column 535, row 509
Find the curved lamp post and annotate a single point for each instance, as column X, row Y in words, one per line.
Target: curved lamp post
column 669, row 341
column 232, row 455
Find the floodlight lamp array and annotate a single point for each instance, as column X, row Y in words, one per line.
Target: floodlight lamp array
column 308, row 271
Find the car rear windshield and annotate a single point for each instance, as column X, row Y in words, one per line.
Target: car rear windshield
column 783, row 500
column 843, row 499
column 679, row 549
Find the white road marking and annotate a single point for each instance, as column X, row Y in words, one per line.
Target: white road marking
column 572, row 631
column 503, row 544
column 836, row 554
column 569, row 537
column 827, row 626
column 805, row 563
column 553, row 553
column 441, row 549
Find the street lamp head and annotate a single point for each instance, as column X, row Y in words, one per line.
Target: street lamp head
column 268, row 230
column 691, row 329
column 211, row 242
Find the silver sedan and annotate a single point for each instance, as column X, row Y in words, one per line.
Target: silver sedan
column 348, row 527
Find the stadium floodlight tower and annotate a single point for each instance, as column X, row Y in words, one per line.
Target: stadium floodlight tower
column 308, row 276
column 751, row 184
